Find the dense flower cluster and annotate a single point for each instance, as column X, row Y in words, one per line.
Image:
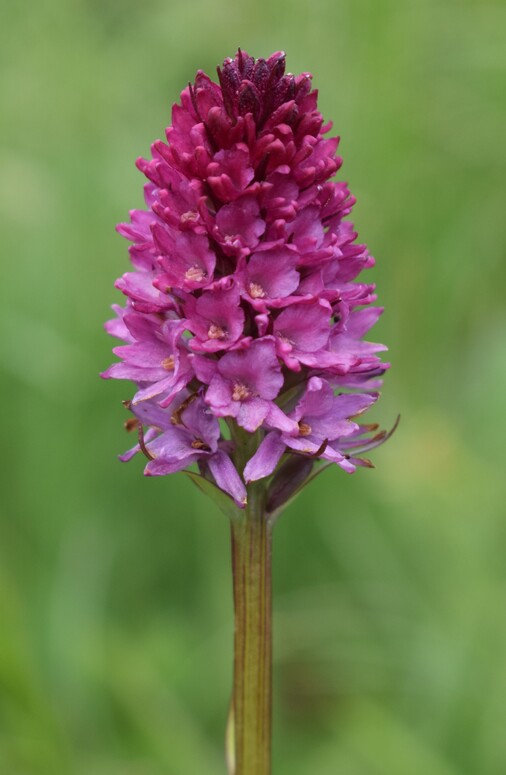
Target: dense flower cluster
column 242, row 302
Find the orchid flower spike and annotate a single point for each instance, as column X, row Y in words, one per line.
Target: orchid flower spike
column 244, row 321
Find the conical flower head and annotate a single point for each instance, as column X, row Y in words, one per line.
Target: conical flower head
column 243, row 302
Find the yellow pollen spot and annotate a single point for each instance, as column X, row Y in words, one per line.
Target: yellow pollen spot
column 194, row 274
column 256, row 291
column 190, row 217
column 305, row 429
column 216, row 332
column 168, row 363
column 240, row 392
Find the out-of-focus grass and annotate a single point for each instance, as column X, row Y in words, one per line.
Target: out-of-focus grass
column 115, row 601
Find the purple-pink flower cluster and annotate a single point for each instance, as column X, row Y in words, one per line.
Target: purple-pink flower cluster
column 242, row 303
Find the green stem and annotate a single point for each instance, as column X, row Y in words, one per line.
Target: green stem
column 252, row 695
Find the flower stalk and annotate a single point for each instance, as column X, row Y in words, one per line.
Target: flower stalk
column 252, row 692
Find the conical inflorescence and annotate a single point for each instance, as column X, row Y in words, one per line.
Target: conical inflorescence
column 242, row 302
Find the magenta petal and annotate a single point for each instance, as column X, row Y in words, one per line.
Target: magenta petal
column 202, row 423
column 175, row 443
column 126, row 371
column 129, row 454
column 216, row 319
column 150, row 413
column 317, row 400
column 305, row 326
column 240, row 223
column 219, row 392
column 334, row 456
column 144, row 354
column 227, row 478
column 350, row 405
column 362, row 320
column 276, row 418
column 271, row 274
column 230, row 173
column 321, row 412
column 164, row 466
column 252, row 413
column 257, row 368
column 265, row 459
column 139, row 287
column 117, row 326
column 185, row 257
column 155, row 389
column 204, row 368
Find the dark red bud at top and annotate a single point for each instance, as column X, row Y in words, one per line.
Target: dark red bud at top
column 229, row 75
column 277, row 64
column 249, row 100
column 194, row 101
column 302, row 87
column 258, row 87
column 261, row 75
column 229, row 82
column 246, row 65
column 283, row 91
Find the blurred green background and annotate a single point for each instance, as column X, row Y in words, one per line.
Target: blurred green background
column 390, row 586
